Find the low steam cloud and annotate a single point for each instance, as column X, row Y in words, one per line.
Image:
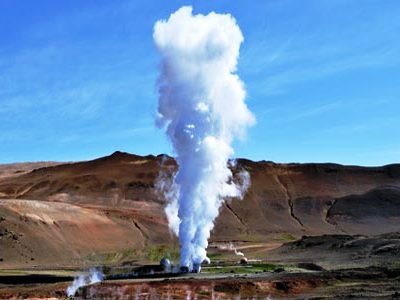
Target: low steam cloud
column 201, row 106
column 94, row 276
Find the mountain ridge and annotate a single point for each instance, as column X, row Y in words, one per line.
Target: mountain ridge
column 284, row 200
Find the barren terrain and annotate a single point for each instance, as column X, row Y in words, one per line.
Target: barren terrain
column 63, row 217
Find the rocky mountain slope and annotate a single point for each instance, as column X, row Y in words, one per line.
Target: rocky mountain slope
column 109, row 207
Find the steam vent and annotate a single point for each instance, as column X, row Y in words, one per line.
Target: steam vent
column 220, row 149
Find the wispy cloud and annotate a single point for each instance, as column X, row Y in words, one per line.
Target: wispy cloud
column 278, row 82
column 276, row 63
column 39, row 80
column 90, row 137
column 315, row 111
column 361, row 126
column 283, row 115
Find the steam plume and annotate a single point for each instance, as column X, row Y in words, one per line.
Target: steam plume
column 201, row 106
column 233, row 248
column 94, row 276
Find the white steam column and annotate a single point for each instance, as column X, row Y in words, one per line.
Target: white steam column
column 201, row 106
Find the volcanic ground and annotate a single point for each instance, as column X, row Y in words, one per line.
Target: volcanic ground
column 313, row 219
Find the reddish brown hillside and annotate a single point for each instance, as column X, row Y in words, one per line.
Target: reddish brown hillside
column 284, row 200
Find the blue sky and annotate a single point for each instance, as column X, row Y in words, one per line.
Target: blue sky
column 77, row 78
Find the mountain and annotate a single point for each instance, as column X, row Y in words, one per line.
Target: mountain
column 108, row 209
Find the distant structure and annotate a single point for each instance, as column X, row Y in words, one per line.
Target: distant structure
column 165, row 263
column 243, row 261
column 184, row 269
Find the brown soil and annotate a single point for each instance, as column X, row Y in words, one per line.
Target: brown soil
column 364, row 283
column 341, row 251
column 62, row 214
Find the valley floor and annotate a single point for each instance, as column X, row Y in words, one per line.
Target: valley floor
column 354, row 283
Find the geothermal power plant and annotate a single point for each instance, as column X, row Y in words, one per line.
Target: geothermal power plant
column 192, row 220
column 196, row 85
